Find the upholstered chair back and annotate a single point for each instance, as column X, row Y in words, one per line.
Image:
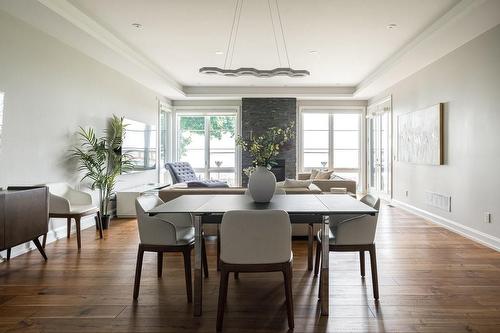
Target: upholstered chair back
column 153, row 230
column 359, row 229
column 63, row 197
column 371, row 201
column 59, row 189
column 256, row 237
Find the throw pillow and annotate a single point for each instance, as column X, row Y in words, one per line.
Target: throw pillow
column 324, row 174
column 314, row 173
column 293, row 183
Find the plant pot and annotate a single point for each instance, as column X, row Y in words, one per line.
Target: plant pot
column 105, row 221
column 262, row 184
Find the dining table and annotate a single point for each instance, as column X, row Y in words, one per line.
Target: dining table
column 321, row 205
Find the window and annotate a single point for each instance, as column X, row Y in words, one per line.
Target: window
column 207, row 141
column 332, row 139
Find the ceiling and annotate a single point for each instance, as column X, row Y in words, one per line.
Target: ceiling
column 356, row 55
column 350, row 37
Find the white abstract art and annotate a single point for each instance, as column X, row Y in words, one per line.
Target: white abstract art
column 420, row 136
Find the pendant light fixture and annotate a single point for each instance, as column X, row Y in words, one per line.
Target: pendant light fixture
column 280, row 71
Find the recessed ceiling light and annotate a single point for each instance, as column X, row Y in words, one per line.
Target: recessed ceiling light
column 137, row 25
column 313, row 52
column 219, row 52
column 392, row 26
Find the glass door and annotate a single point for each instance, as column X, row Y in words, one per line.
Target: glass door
column 207, row 142
column 379, row 153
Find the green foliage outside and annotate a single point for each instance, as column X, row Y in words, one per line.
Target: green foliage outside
column 189, row 125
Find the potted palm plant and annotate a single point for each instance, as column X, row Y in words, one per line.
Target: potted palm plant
column 264, row 149
column 102, row 161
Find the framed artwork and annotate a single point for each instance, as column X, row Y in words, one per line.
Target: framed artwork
column 420, row 136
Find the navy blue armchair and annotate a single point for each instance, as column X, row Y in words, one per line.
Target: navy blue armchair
column 181, row 172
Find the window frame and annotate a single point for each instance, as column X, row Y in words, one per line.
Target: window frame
column 331, row 110
column 167, row 143
column 209, row 111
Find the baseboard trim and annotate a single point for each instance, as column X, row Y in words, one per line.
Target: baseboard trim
column 468, row 232
column 52, row 236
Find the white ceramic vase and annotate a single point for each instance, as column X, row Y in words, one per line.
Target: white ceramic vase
column 262, row 184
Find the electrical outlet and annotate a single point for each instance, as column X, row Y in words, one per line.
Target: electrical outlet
column 487, row 217
column 406, row 193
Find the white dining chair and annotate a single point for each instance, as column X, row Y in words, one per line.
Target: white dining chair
column 354, row 233
column 66, row 202
column 277, row 191
column 255, row 241
column 166, row 232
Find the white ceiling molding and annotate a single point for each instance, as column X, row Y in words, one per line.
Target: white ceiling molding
column 87, row 24
column 94, row 29
column 464, row 22
column 299, row 92
column 62, row 20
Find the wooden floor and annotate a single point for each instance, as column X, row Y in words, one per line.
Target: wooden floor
column 431, row 280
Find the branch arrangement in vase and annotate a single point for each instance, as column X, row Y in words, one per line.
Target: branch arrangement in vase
column 101, row 159
column 264, row 148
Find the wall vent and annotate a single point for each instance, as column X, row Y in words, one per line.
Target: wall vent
column 438, row 200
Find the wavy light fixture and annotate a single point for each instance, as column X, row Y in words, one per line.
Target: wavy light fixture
column 280, row 71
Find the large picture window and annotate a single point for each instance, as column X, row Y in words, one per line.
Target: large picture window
column 332, row 139
column 207, row 141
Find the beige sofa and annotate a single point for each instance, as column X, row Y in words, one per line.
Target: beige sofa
column 172, row 192
column 326, row 184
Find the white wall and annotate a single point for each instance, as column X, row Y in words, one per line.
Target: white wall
column 467, row 81
column 50, row 90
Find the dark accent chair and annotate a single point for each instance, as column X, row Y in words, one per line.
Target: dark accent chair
column 181, row 172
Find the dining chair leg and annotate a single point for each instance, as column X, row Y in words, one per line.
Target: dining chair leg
column 287, row 274
column 138, row 270
column 362, row 262
column 310, row 247
column 317, row 258
column 218, row 248
column 9, row 250
column 320, row 283
column 40, row 248
column 187, row 272
column 68, row 227
column 78, row 233
column 373, row 262
column 99, row 223
column 204, row 257
column 224, row 277
column 160, row 264
column 44, row 240
column 236, row 275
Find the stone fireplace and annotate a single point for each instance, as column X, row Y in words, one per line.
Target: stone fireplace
column 257, row 116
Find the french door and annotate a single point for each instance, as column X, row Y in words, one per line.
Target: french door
column 207, row 142
column 380, row 151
